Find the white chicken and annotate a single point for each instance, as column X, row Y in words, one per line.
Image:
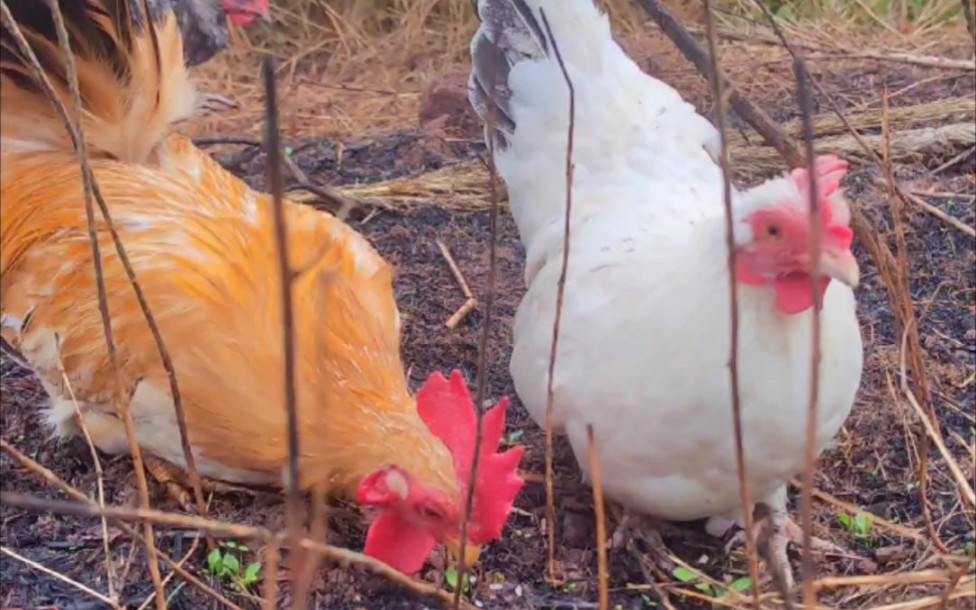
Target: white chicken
column 645, row 331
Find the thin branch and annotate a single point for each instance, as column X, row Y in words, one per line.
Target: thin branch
column 810, row 462
column 599, row 514
column 86, row 508
column 54, row 574
column 752, row 114
column 470, row 303
column 560, row 290
column 934, row 211
column 482, row 380
column 276, row 186
column 719, row 93
column 99, row 473
column 271, row 555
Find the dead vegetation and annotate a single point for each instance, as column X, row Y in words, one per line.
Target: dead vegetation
column 894, row 92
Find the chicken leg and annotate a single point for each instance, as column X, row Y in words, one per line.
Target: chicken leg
column 176, row 482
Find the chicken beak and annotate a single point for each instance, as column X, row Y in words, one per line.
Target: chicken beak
column 471, row 552
column 842, row 266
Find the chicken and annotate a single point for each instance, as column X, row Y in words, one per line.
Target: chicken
column 202, row 246
column 645, row 331
column 203, row 23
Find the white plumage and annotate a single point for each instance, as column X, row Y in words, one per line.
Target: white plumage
column 644, row 342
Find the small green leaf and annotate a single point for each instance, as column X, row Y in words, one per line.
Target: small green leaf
column 215, row 561
column 513, row 436
column 243, row 548
column 846, row 521
column 288, row 151
column 684, row 574
column 230, row 544
column 251, row 573
column 231, row 564
column 971, row 549
column 741, row 584
column 648, row 601
column 862, row 524
column 704, row 587
column 451, row 576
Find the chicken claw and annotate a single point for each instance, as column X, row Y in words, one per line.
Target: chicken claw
column 176, row 482
column 773, row 533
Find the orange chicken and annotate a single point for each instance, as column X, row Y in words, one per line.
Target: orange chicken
column 202, row 247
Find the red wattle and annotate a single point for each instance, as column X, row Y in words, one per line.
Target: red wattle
column 399, row 543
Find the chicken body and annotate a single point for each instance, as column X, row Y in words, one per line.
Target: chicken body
column 202, row 248
column 645, row 331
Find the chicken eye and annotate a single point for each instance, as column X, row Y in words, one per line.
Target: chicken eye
column 772, row 230
column 431, row 513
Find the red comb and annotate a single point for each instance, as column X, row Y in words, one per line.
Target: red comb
column 829, row 171
column 446, row 408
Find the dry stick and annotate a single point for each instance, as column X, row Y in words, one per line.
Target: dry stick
column 89, row 182
column 78, row 139
column 954, row 582
column 54, row 481
column 482, row 379
column 275, row 182
column 967, row 11
column 810, row 464
column 169, row 577
column 560, row 290
column 54, row 574
column 720, row 99
column 87, row 508
column 99, row 473
column 470, row 302
column 601, row 520
column 270, row 585
column 311, row 561
column 934, row 211
column 759, row 120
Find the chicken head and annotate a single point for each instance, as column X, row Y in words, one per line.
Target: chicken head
column 773, row 241
column 243, row 12
column 413, row 518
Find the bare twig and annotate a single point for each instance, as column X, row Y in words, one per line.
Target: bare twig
column 810, row 462
column 934, row 211
column 54, row 574
column 601, row 520
column 271, row 554
column 751, row 113
column 720, row 101
column 925, row 61
column 276, row 186
column 482, row 380
column 87, row 508
column 560, row 290
column 470, row 302
column 169, row 577
column 967, row 11
column 99, row 473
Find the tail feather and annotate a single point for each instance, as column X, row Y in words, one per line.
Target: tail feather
column 132, row 78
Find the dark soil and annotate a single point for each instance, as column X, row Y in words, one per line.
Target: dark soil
column 871, row 466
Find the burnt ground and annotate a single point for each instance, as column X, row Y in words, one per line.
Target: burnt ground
column 873, row 466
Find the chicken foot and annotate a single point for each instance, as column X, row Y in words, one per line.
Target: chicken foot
column 176, row 482
column 773, row 533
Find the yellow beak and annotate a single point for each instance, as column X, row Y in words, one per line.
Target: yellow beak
column 842, row 267
column 471, row 552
